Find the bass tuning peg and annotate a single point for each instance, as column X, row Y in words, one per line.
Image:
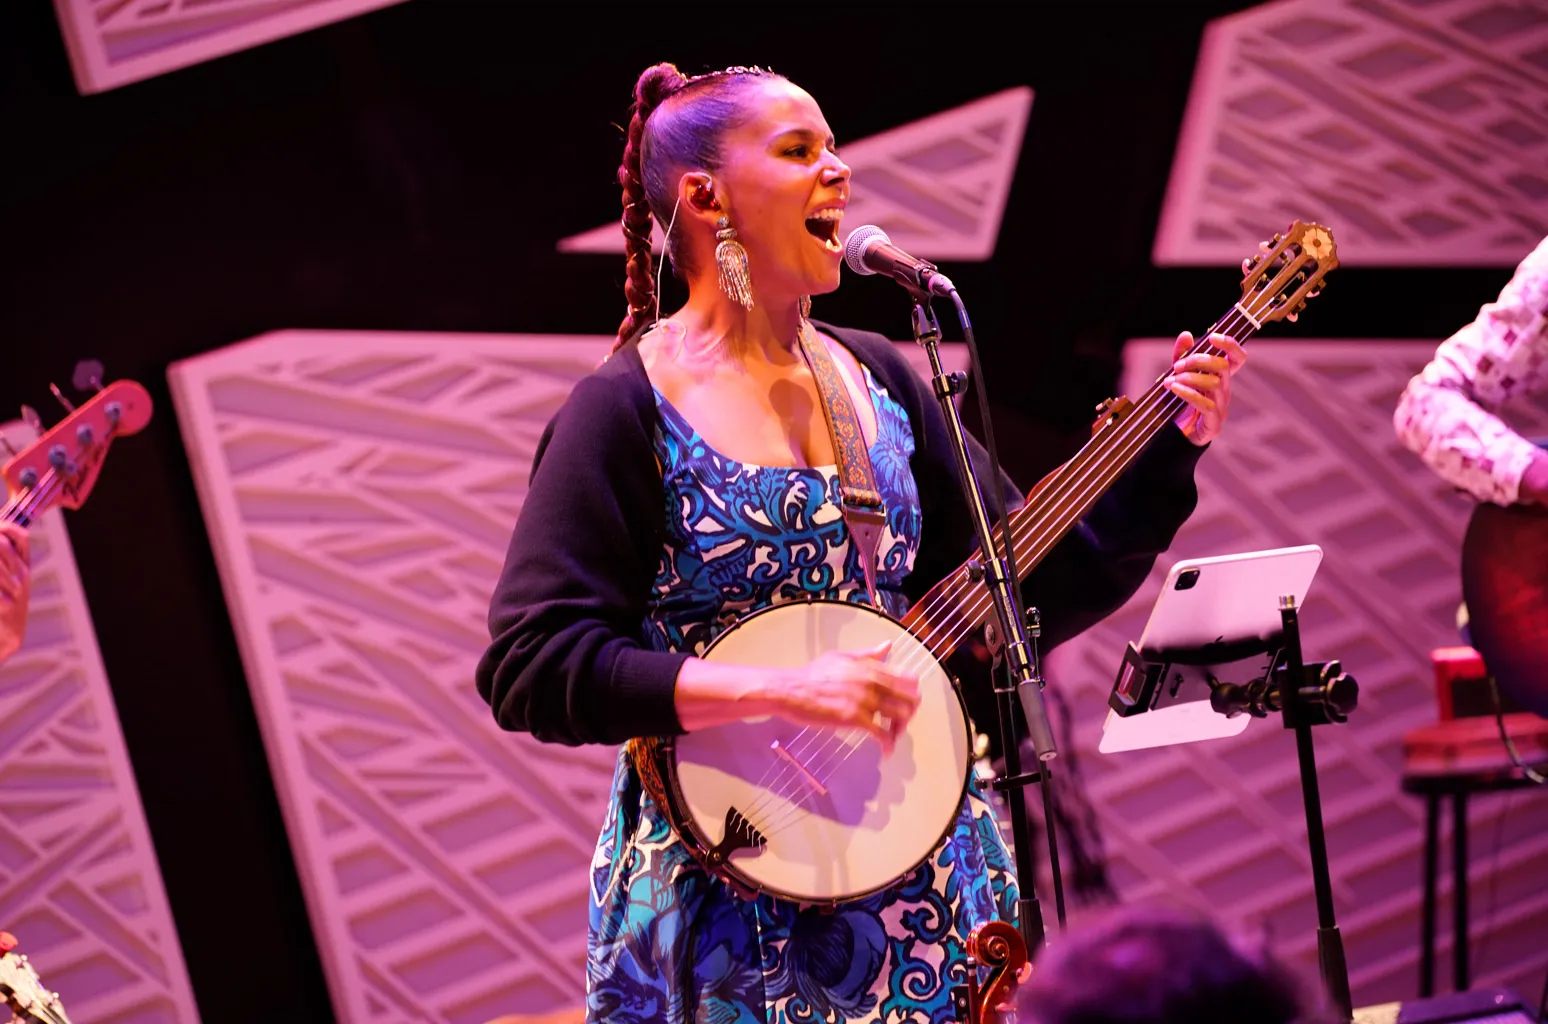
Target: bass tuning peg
column 88, row 375
column 69, row 406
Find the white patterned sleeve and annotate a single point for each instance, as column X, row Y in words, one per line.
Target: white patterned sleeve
column 1447, row 415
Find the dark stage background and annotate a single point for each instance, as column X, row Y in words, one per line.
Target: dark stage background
column 413, row 169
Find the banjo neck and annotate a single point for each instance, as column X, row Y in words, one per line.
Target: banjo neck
column 1276, row 286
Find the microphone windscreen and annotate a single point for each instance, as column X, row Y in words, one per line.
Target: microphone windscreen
column 861, row 239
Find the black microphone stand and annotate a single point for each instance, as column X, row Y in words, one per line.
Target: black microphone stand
column 1007, row 638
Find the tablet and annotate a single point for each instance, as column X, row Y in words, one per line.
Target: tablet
column 1227, row 598
column 1204, row 602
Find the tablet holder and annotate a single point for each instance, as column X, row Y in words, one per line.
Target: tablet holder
column 1305, row 695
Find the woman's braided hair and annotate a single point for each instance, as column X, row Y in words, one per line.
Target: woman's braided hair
column 685, row 135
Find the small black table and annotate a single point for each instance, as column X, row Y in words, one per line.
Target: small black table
column 1458, row 785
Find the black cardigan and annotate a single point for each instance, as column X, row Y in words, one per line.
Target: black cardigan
column 567, row 661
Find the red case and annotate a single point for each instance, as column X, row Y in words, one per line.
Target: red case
column 1454, row 665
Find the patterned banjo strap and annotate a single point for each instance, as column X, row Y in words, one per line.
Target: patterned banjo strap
column 864, row 511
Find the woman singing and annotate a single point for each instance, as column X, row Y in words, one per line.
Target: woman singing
column 690, row 481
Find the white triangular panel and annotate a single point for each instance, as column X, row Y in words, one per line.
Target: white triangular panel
column 115, row 42
column 937, row 186
column 80, row 885
column 1417, row 131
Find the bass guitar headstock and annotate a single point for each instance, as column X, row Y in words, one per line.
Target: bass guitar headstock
column 61, row 466
column 1287, row 272
column 22, row 992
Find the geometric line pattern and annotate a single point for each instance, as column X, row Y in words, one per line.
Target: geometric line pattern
column 937, row 186
column 1420, row 130
column 1311, row 457
column 80, row 886
column 115, row 42
column 359, row 490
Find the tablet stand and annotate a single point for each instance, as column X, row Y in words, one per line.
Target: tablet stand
column 1305, row 695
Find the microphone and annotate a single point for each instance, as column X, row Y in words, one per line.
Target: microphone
column 869, row 251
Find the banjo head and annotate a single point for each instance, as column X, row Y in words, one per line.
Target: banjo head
column 838, row 819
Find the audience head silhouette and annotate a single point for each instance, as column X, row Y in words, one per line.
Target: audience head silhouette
column 1155, row 966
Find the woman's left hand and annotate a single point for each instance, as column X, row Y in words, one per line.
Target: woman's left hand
column 1203, row 381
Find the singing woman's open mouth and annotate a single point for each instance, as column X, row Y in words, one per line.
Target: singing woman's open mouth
column 823, row 225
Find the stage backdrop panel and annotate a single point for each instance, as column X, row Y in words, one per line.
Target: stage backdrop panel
column 1420, row 129
column 937, row 185
column 80, row 887
column 1309, row 456
column 359, row 489
column 115, row 42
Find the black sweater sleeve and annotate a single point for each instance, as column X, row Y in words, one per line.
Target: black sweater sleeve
column 1092, row 570
column 565, row 662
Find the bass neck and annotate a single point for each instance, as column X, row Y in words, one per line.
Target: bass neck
column 15, row 512
column 955, row 607
column 1121, row 436
column 24, row 505
column 1276, row 285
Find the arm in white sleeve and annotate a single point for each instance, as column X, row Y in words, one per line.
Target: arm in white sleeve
column 1447, row 415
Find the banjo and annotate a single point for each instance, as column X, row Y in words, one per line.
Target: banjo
column 819, row 815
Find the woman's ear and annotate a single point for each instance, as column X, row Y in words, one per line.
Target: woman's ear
column 696, row 192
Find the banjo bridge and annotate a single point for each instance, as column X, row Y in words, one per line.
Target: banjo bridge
column 804, row 772
column 740, row 835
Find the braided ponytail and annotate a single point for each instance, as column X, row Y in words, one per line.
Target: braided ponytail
column 654, row 86
column 661, row 144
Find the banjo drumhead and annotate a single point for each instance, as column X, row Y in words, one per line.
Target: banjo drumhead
column 840, row 819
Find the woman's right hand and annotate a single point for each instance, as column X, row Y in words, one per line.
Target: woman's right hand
column 847, row 689
column 852, row 688
column 1534, row 482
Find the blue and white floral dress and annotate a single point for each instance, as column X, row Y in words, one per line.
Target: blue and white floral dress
column 670, row 943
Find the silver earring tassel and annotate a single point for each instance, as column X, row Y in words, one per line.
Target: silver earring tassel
column 731, row 259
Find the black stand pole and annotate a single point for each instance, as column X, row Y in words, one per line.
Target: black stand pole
column 1300, row 713
column 1304, row 699
column 1010, row 643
